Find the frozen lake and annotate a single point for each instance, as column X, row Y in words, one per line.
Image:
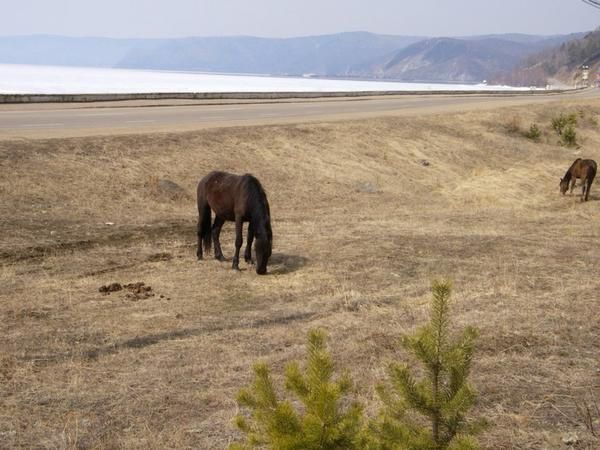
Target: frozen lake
column 29, row 79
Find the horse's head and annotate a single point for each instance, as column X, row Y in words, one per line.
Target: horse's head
column 564, row 185
column 263, row 248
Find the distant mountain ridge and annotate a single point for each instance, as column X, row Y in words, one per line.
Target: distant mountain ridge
column 354, row 54
column 469, row 59
column 68, row 51
column 318, row 55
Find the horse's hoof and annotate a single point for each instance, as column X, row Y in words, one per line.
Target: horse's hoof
column 220, row 258
column 250, row 261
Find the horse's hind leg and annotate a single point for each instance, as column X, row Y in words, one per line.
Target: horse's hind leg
column 585, row 191
column 248, row 252
column 216, row 232
column 238, row 243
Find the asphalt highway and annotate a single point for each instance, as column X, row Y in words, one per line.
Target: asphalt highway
column 76, row 119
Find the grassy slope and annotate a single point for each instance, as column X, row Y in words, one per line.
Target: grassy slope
column 81, row 369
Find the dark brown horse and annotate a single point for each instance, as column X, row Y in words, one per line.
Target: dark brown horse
column 585, row 170
column 237, row 198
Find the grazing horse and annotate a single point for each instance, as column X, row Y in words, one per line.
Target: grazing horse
column 237, row 198
column 584, row 169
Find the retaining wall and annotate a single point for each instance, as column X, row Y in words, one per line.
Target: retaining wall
column 62, row 98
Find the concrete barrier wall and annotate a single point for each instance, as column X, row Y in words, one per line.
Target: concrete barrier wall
column 62, row 98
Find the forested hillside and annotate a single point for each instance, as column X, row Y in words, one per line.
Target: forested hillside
column 562, row 63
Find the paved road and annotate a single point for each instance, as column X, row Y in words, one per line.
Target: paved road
column 60, row 120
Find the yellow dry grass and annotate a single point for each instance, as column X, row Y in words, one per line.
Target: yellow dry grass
column 361, row 226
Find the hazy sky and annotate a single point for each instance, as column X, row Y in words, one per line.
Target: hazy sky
column 285, row 18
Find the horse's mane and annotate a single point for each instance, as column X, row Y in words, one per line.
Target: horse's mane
column 567, row 176
column 256, row 194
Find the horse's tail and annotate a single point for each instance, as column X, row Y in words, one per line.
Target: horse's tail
column 204, row 221
column 204, row 230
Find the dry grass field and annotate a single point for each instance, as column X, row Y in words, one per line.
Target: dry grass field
column 361, row 227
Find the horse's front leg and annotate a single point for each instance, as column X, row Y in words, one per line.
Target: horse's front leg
column 216, row 232
column 248, row 252
column 573, row 181
column 238, row 243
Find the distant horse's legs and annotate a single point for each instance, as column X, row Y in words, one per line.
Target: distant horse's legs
column 238, row 243
column 216, row 231
column 248, row 253
column 199, row 250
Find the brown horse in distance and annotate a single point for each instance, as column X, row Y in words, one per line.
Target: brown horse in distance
column 237, row 198
column 584, row 169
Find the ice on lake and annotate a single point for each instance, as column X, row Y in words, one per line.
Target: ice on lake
column 30, row 79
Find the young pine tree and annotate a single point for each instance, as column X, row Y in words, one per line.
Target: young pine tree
column 441, row 397
column 326, row 421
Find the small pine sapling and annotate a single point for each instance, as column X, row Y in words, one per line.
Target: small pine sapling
column 565, row 128
column 534, row 133
column 327, row 418
column 569, row 136
column 441, row 397
column 560, row 123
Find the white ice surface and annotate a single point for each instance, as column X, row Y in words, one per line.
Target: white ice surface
column 29, row 79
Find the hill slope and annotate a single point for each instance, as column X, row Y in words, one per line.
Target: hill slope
column 361, row 226
column 561, row 63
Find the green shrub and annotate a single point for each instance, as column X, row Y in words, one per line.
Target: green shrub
column 569, row 136
column 327, row 420
column 564, row 125
column 442, row 397
column 572, row 119
column 533, row 133
column 560, row 123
